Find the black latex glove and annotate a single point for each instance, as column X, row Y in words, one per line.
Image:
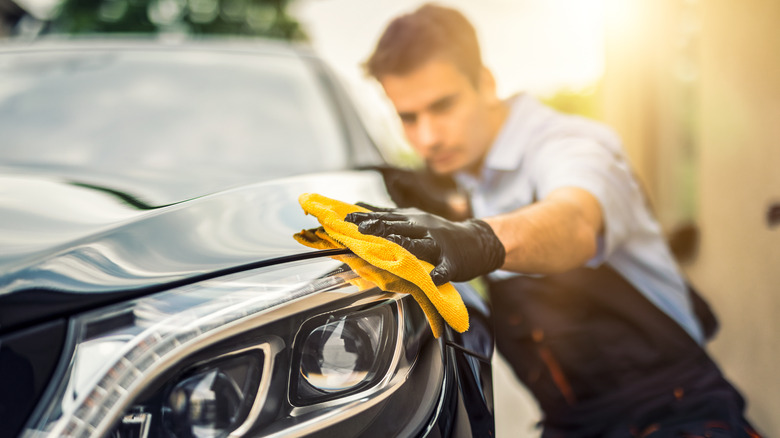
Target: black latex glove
column 421, row 188
column 459, row 251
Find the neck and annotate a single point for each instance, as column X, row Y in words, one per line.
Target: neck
column 496, row 117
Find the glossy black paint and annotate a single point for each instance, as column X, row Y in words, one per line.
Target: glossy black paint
column 475, row 386
column 27, row 361
column 69, row 230
column 470, row 353
column 478, row 339
column 144, row 250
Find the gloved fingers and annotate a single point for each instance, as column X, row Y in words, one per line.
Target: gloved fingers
column 442, row 273
column 385, row 228
column 374, row 208
column 385, row 224
column 424, row 249
column 359, row 216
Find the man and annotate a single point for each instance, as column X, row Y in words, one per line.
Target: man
column 590, row 308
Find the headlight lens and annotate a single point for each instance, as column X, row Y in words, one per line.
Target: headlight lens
column 211, row 402
column 342, row 353
column 339, row 355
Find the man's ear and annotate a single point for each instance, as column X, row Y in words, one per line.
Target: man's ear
column 487, row 86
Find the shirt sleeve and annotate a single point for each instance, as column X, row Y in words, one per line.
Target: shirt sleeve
column 602, row 171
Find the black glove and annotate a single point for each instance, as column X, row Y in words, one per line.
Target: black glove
column 459, row 251
column 421, row 189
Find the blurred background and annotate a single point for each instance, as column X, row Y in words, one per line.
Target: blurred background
column 692, row 86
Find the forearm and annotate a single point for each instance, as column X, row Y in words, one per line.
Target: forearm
column 552, row 236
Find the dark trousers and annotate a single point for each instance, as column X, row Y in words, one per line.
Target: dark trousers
column 603, row 361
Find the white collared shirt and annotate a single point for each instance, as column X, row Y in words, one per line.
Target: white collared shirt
column 539, row 150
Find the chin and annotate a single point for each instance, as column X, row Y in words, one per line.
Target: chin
column 445, row 169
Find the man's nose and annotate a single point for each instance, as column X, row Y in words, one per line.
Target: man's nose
column 428, row 135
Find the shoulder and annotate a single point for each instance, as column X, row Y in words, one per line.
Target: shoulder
column 567, row 136
column 562, row 126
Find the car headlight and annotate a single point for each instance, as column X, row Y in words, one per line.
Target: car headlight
column 341, row 354
column 268, row 351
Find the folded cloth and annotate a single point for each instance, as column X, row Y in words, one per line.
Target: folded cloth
column 405, row 273
column 370, row 276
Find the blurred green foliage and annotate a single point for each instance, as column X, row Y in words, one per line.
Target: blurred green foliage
column 222, row 17
column 584, row 102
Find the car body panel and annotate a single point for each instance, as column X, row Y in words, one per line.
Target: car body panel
column 113, row 246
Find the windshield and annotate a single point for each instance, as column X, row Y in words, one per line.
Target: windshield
column 184, row 112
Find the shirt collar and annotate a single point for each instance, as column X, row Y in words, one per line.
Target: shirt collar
column 506, row 152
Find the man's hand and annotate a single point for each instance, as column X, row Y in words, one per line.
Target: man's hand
column 459, row 251
column 424, row 190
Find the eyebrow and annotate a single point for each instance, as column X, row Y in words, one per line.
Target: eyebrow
column 443, row 103
column 438, row 105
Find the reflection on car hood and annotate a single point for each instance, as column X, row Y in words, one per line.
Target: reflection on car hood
column 73, row 237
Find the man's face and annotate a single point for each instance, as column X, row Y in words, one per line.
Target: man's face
column 445, row 117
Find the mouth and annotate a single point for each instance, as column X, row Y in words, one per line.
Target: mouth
column 442, row 158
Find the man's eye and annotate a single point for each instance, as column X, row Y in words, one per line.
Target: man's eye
column 408, row 119
column 443, row 105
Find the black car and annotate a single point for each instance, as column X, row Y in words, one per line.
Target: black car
column 150, row 285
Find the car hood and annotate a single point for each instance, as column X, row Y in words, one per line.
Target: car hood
column 67, row 239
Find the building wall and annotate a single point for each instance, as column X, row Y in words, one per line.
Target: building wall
column 739, row 177
column 650, row 97
column 694, row 89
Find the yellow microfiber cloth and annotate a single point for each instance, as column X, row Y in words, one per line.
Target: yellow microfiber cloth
column 405, row 273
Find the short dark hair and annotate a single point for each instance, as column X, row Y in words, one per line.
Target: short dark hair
column 431, row 31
